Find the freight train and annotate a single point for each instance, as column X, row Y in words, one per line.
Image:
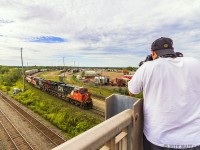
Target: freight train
column 76, row 95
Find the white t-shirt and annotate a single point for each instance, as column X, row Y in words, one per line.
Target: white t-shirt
column 171, row 90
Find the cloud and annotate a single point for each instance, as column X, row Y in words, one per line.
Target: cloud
column 5, row 21
column 93, row 32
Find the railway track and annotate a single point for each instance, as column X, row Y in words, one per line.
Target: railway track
column 17, row 140
column 48, row 133
column 99, row 112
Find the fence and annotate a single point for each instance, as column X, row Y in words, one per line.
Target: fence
column 121, row 131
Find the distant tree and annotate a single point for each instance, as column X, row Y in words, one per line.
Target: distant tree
column 129, row 68
column 135, row 68
column 83, row 74
column 3, row 69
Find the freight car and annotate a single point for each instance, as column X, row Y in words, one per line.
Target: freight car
column 30, row 72
column 76, row 95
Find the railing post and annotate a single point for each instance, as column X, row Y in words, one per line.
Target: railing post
column 117, row 103
column 121, row 140
column 137, row 136
column 118, row 142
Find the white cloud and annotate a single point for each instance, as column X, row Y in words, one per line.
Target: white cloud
column 98, row 33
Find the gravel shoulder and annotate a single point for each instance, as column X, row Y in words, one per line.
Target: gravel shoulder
column 99, row 104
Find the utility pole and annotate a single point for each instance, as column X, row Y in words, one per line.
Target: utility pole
column 64, row 66
column 100, row 79
column 23, row 77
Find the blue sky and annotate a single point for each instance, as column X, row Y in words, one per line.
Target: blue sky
column 102, row 33
column 47, row 39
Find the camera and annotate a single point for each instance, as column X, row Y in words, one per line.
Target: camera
column 148, row 58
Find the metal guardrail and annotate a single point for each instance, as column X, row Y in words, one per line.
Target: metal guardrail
column 121, row 131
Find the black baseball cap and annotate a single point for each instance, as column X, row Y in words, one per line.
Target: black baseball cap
column 163, row 46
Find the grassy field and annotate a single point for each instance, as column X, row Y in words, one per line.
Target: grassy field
column 50, row 75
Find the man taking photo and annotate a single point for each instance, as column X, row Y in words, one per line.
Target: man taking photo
column 171, row 90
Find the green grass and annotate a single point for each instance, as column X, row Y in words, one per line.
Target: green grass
column 47, row 75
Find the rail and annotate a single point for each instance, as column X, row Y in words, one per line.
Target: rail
column 19, row 142
column 98, row 112
column 122, row 131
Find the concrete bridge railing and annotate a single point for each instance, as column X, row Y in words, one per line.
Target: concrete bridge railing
column 122, row 129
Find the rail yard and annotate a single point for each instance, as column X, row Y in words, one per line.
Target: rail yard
column 36, row 128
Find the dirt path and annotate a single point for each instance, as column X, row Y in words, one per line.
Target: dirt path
column 36, row 74
column 99, row 103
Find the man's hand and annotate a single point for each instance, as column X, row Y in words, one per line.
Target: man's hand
column 131, row 94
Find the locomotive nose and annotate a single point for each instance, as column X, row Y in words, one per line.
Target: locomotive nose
column 87, row 97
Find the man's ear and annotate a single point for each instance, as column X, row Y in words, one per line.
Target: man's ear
column 154, row 55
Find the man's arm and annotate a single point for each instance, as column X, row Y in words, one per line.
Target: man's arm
column 135, row 85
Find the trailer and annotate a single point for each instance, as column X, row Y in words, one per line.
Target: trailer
column 101, row 80
column 129, row 77
column 91, row 73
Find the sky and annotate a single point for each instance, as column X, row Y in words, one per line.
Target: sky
column 94, row 33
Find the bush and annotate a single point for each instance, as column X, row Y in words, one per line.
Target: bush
column 120, row 90
column 3, row 69
column 9, row 78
